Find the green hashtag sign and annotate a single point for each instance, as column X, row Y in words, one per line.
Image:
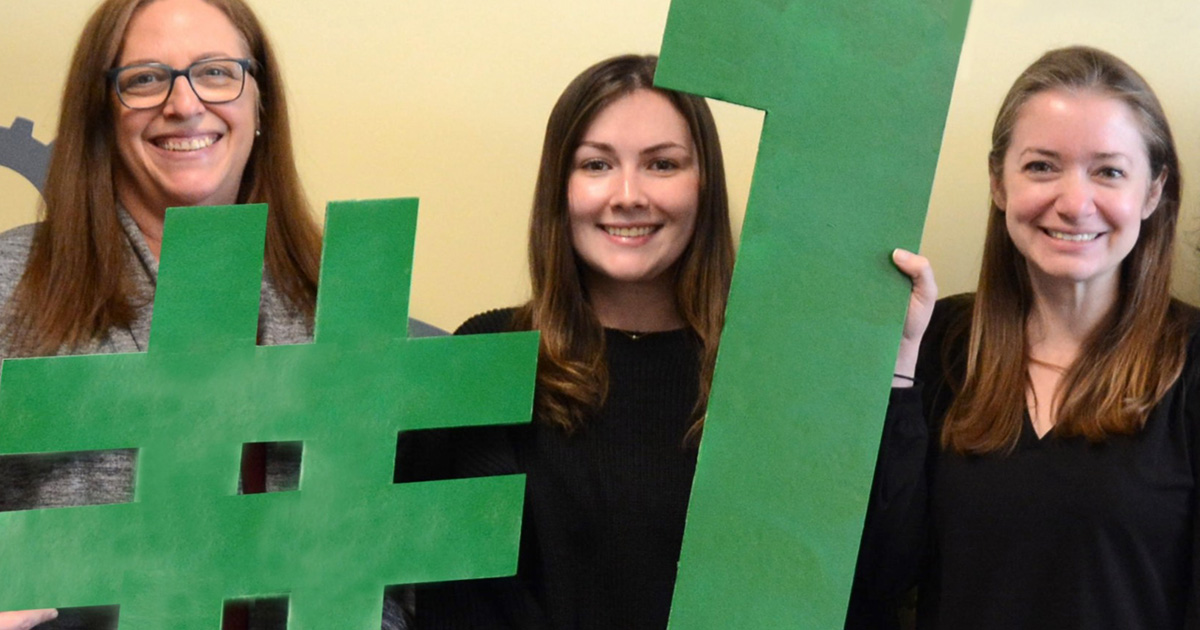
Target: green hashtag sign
column 188, row 541
column 855, row 94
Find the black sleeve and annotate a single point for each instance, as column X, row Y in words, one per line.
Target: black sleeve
column 895, row 529
column 1191, row 382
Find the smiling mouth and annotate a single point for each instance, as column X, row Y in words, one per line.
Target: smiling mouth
column 1075, row 238
column 630, row 232
column 186, row 144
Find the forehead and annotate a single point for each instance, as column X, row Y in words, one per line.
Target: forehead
column 1082, row 120
column 640, row 116
column 179, row 32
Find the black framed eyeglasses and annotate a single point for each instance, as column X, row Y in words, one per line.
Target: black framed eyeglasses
column 149, row 85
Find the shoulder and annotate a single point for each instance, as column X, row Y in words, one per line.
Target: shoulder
column 493, row 321
column 944, row 347
column 15, row 245
column 1188, row 317
column 14, row 253
column 950, row 323
column 1184, row 314
column 953, row 309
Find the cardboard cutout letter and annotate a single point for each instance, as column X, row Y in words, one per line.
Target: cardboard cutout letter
column 855, row 95
column 188, row 541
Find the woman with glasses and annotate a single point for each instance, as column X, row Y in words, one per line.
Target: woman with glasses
column 167, row 103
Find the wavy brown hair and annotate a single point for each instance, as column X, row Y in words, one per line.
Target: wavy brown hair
column 1137, row 352
column 572, row 378
column 76, row 285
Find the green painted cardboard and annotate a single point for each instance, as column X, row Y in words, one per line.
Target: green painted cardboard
column 188, row 541
column 855, row 94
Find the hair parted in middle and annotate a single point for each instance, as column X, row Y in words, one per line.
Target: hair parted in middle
column 1138, row 351
column 572, row 376
column 75, row 285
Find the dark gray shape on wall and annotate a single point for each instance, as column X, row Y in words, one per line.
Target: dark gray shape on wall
column 22, row 153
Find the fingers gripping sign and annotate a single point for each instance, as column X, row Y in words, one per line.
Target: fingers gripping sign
column 26, row 619
column 920, row 308
column 855, row 95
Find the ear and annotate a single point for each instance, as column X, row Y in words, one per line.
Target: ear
column 997, row 185
column 1154, row 195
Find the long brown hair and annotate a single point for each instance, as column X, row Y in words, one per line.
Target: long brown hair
column 76, row 284
column 572, row 379
column 1134, row 356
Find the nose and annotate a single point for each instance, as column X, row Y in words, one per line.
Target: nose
column 1076, row 197
column 631, row 193
column 182, row 102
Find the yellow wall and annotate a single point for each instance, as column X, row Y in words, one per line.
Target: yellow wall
column 447, row 100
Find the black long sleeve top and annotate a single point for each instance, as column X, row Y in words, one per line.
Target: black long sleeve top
column 1060, row 533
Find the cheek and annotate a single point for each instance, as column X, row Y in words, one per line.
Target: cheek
column 574, row 197
column 241, row 120
column 1014, row 229
column 128, row 126
column 577, row 211
column 677, row 196
column 1024, row 204
column 585, row 197
column 685, row 201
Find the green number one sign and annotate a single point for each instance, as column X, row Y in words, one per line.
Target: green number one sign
column 855, row 95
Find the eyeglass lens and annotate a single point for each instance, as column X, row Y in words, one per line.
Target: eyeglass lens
column 215, row 81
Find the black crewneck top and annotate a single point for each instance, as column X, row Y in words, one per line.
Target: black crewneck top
column 604, row 505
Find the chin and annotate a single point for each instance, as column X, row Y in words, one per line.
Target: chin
column 203, row 197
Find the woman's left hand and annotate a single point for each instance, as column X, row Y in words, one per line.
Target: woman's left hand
column 920, row 309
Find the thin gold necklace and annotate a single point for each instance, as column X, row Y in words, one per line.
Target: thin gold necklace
column 1061, row 369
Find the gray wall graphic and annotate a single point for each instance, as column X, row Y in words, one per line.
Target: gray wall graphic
column 21, row 152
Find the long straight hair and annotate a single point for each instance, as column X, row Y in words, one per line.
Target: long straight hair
column 77, row 283
column 1137, row 352
column 572, row 380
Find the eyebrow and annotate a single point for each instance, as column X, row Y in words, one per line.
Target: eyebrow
column 608, row 148
column 1055, row 155
column 198, row 58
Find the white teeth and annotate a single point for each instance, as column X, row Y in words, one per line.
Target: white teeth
column 629, row 232
column 1064, row 236
column 186, row 144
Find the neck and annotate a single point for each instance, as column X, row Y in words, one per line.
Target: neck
column 639, row 307
column 149, row 221
column 1064, row 316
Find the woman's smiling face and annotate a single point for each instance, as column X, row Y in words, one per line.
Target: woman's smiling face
column 633, row 190
column 1076, row 185
column 184, row 152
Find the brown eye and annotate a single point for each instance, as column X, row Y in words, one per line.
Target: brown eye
column 663, row 164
